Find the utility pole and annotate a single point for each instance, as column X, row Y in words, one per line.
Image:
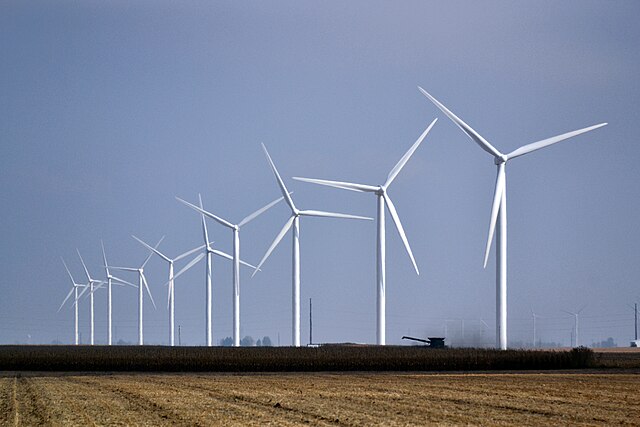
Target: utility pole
column 311, row 322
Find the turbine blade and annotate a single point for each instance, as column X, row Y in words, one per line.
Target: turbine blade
column 396, row 220
column 209, row 214
column 495, row 208
column 124, row 282
column 66, row 298
column 73, row 282
column 186, row 254
column 483, row 143
column 260, row 211
column 146, row 286
column 86, row 271
column 186, row 267
column 283, row 188
column 581, row 308
column 283, row 231
column 221, row 254
column 404, row 159
column 204, row 224
column 332, row 215
column 155, row 251
column 86, row 287
column 338, row 184
column 151, row 253
column 549, row 141
column 104, row 258
column 125, row 269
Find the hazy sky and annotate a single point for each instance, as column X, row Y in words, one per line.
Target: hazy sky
column 108, row 110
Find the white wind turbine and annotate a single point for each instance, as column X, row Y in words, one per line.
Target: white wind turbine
column 535, row 318
column 209, row 251
column 575, row 325
column 383, row 199
column 294, row 221
column 235, row 228
column 74, row 290
column 499, row 207
column 90, row 282
column 171, row 279
column 110, row 281
column 142, row 283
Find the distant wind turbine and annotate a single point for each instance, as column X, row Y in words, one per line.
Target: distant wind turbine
column 110, row 281
column 294, row 221
column 499, row 207
column 91, row 282
column 142, row 284
column 171, row 279
column 383, row 199
column 74, row 291
column 535, row 318
column 235, row 228
column 575, row 324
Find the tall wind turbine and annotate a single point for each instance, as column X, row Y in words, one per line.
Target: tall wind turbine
column 110, row 281
column 235, row 228
column 74, row 290
column 294, row 221
column 210, row 251
column 171, row 279
column 499, row 207
column 142, row 283
column 535, row 318
column 575, row 324
column 91, row 282
column 383, row 199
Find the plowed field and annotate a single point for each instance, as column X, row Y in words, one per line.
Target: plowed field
column 322, row 398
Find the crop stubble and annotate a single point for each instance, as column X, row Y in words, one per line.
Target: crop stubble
column 320, row 399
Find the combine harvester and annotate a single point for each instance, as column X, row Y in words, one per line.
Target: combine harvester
column 431, row 342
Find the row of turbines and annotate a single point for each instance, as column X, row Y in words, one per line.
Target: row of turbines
column 497, row 226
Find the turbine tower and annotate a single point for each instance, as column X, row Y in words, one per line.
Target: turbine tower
column 535, row 318
column 575, row 324
column 74, row 290
column 383, row 199
column 171, row 279
column 235, row 228
column 499, row 207
column 142, row 284
column 111, row 280
column 91, row 282
column 294, row 221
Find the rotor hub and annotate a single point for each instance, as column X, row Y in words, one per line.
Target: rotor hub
column 498, row 160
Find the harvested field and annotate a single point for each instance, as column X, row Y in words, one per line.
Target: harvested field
column 320, row 399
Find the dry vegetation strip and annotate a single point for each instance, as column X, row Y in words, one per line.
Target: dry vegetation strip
column 321, row 399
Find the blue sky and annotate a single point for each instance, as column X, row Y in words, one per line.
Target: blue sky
column 109, row 111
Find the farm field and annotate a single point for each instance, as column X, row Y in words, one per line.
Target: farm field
column 586, row 398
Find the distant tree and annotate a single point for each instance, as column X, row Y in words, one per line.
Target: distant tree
column 266, row 342
column 608, row 343
column 258, row 343
column 226, row 342
column 123, row 342
column 247, row 341
column 56, row 342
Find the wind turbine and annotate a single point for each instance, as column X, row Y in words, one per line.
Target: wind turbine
column 171, row 278
column 209, row 251
column 499, row 207
column 294, row 221
column 535, row 318
column 111, row 280
column 91, row 282
column 74, row 290
column 142, row 283
column 383, row 199
column 575, row 315
column 235, row 228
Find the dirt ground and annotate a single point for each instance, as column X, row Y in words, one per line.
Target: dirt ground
column 320, row 398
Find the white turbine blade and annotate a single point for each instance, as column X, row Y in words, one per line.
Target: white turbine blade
column 104, row 258
column 283, row 188
column 483, row 143
column 568, row 312
column 283, row 231
column 338, row 184
column 396, row 220
column 86, row 288
column 66, row 298
column 549, row 141
column 581, row 308
column 259, row 212
column 73, row 282
column 332, row 215
column 84, row 265
column 186, row 267
column 123, row 282
column 403, row 161
column 151, row 253
column 146, row 286
column 155, row 251
column 100, row 284
column 204, row 224
column 186, row 254
column 221, row 254
column 203, row 212
column 495, row 208
column 125, row 269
